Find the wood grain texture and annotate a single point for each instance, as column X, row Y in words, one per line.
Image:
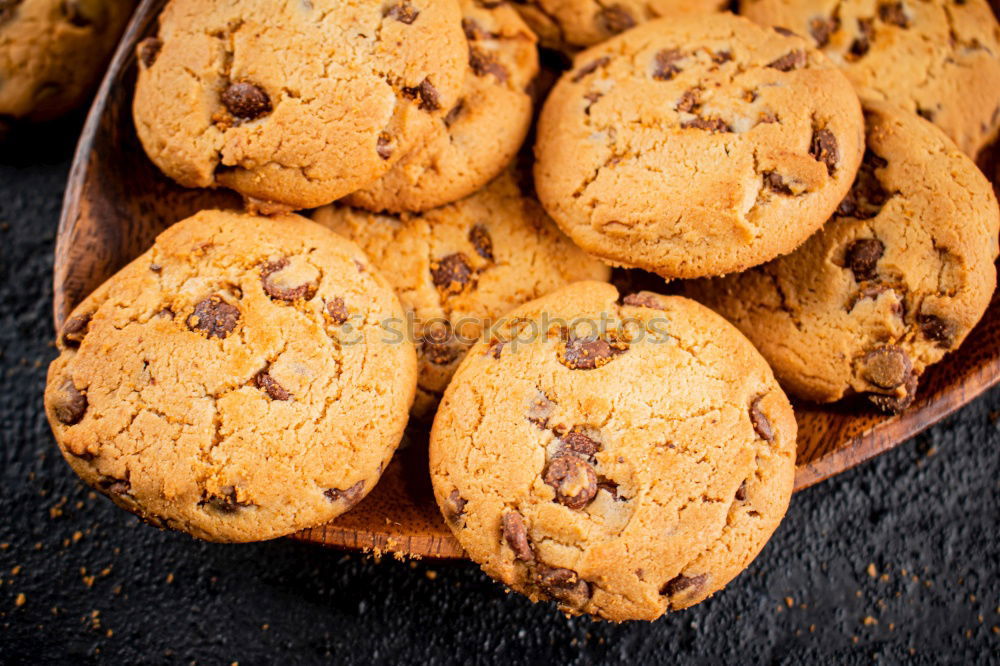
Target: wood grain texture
column 117, row 202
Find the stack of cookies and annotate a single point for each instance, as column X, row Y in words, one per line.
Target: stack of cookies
column 619, row 451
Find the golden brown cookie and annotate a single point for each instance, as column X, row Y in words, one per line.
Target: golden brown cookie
column 53, row 52
column 573, row 24
column 620, row 458
column 895, row 280
column 466, row 148
column 697, row 146
column 235, row 381
column 938, row 58
column 460, row 267
column 294, row 103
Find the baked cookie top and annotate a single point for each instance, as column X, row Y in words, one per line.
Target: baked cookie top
column 697, row 146
column 896, row 279
column 573, row 24
column 52, row 52
column 623, row 459
column 464, row 149
column 938, row 58
column 460, row 267
column 235, row 381
column 216, row 105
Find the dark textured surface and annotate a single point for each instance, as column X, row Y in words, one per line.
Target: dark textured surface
column 100, row 587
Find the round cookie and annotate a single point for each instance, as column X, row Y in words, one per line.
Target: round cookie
column 938, row 58
column 697, row 146
column 895, row 280
column 466, row 148
column 570, row 25
column 620, row 459
column 460, row 267
column 235, row 381
column 294, row 103
column 53, row 52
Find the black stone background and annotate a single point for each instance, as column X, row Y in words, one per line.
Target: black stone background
column 99, row 586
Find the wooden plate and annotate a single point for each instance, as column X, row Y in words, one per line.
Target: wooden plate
column 117, row 202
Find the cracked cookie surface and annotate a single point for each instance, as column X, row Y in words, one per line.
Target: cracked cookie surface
column 234, row 381
column 697, row 146
column 619, row 470
column 467, row 147
column 458, row 267
column 574, row 24
column 938, row 58
column 294, row 103
column 895, row 280
column 52, row 53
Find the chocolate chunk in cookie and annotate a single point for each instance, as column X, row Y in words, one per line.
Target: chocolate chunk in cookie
column 862, row 257
column 246, row 101
column 886, row 367
column 515, row 533
column 214, row 317
column 573, row 479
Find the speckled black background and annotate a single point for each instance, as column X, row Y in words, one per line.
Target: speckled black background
column 895, row 561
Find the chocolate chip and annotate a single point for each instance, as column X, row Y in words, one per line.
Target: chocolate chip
column 426, row 94
column 440, row 348
column 403, row 12
column 689, row 101
column 577, row 443
column 246, row 101
column 873, row 291
column 495, row 349
column 761, row 425
column 481, row 241
column 893, row 13
column 643, row 299
column 454, row 506
column 474, row 31
column 721, row 57
column 451, row 273
column 165, row 313
column 337, row 311
column 895, row 403
column 214, row 317
column 456, row 111
column 266, row 383
column 614, row 19
column 710, row 124
column 935, row 328
column 863, row 42
column 824, row 149
column 483, row 63
column 540, row 410
column 7, row 9
column 75, row 329
column 383, row 146
column 792, row 60
column 681, row 583
column 776, row 183
column 275, row 283
column 886, row 367
column 149, row 48
column 573, row 479
column 665, row 65
column 515, row 533
column 225, row 502
column 611, row 488
column 741, row 492
column 782, row 30
column 926, row 114
column 590, row 353
column 867, row 196
column 69, row 405
column 564, row 586
column 862, row 257
column 823, row 28
column 120, row 487
column 350, row 496
column 590, row 68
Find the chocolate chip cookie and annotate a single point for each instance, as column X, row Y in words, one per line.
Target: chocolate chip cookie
column 622, row 458
column 235, row 381
column 459, row 267
column 568, row 26
column 294, row 103
column 895, row 280
column 938, row 58
column 464, row 149
column 53, row 52
column 697, row 146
